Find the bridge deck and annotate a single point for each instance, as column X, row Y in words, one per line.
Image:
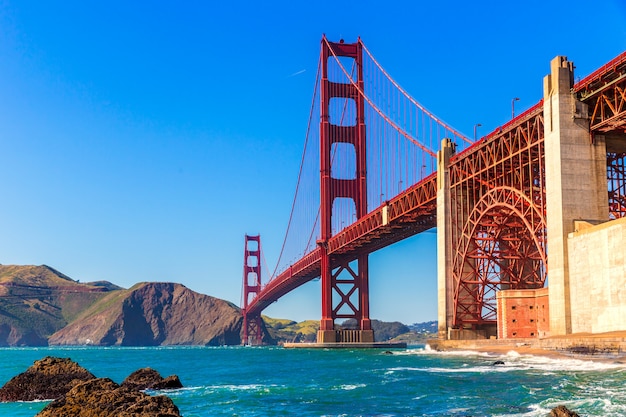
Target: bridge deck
column 412, row 212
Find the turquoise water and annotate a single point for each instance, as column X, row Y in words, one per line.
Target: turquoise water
column 272, row 381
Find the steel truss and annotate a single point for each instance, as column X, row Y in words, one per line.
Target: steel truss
column 616, row 176
column 604, row 92
column 498, row 221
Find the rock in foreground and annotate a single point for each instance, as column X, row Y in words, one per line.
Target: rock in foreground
column 103, row 397
column 47, row 379
column 562, row 411
column 147, row 378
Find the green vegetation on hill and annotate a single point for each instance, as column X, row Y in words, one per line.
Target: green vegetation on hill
column 383, row 331
column 283, row 330
column 36, row 301
column 41, row 306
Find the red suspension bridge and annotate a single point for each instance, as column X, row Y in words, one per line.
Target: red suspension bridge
column 378, row 167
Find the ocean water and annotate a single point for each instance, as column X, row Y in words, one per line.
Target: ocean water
column 272, row 381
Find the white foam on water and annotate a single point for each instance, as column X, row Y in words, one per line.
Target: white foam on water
column 535, row 410
column 226, row 387
column 523, row 361
column 243, row 387
column 350, row 387
column 427, row 350
column 32, row 401
column 513, row 361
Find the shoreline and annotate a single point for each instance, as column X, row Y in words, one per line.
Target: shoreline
column 606, row 347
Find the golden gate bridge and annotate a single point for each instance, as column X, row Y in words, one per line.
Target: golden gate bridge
column 375, row 164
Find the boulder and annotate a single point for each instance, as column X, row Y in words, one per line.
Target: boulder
column 562, row 411
column 147, row 378
column 103, row 397
column 47, row 379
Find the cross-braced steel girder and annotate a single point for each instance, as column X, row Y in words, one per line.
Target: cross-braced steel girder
column 616, row 176
column 605, row 93
column 498, row 226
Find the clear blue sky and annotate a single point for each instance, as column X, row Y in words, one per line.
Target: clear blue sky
column 140, row 140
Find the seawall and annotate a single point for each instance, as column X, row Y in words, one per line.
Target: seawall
column 612, row 344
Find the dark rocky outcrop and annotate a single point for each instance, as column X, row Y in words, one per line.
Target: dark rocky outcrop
column 562, row 411
column 103, row 397
column 147, row 378
column 151, row 314
column 46, row 379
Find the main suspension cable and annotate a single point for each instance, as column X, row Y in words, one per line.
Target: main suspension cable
column 378, row 110
column 415, row 102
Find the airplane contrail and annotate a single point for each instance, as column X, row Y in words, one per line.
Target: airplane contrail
column 297, row 73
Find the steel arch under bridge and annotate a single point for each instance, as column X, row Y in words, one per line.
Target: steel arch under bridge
column 497, row 219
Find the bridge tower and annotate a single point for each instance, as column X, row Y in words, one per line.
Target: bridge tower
column 252, row 331
column 345, row 293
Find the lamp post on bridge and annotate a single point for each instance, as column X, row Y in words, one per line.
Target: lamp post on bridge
column 476, row 126
column 513, row 107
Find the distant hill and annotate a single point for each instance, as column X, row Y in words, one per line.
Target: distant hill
column 152, row 314
column 40, row 306
column 383, row 330
column 36, row 301
column 283, row 330
column 428, row 327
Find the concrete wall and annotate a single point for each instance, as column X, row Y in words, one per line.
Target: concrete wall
column 597, row 257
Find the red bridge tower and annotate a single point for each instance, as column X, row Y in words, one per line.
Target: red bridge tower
column 345, row 293
column 252, row 331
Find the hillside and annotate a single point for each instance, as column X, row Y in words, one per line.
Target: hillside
column 36, row 301
column 40, row 306
column 151, row 314
column 283, row 330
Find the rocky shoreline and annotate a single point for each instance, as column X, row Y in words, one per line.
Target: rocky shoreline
column 604, row 347
column 75, row 391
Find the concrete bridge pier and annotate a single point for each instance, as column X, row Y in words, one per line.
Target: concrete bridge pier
column 576, row 182
column 445, row 287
